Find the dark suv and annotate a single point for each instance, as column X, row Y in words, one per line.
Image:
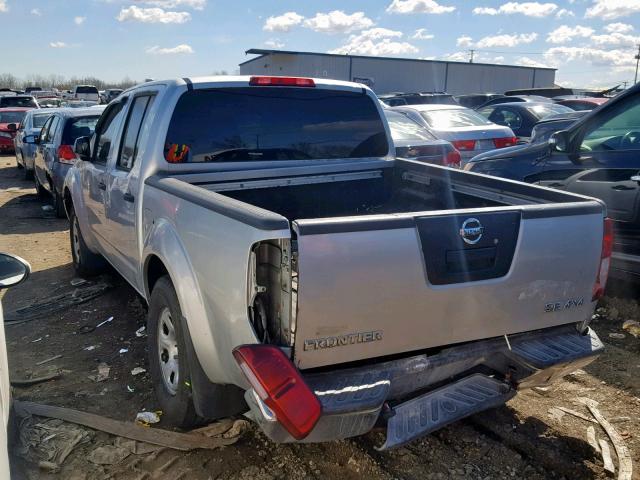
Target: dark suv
column 598, row 156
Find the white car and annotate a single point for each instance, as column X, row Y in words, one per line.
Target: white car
column 466, row 129
column 85, row 92
column 13, row 270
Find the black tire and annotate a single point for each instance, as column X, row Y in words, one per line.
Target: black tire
column 58, row 205
column 41, row 192
column 85, row 262
column 171, row 379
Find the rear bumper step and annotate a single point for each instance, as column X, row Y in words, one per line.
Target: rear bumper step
column 353, row 398
column 431, row 411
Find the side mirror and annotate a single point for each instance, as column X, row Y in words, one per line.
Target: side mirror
column 82, row 148
column 13, row 270
column 30, row 139
column 559, row 141
column 12, row 127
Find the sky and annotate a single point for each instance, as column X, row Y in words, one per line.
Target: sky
column 591, row 42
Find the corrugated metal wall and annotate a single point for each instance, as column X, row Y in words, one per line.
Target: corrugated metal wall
column 390, row 75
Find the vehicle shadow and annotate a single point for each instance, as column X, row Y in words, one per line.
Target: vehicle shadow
column 24, row 214
column 10, row 175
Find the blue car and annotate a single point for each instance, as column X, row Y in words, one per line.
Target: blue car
column 31, row 125
column 598, row 156
column 54, row 149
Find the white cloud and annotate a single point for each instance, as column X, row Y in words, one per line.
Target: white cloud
column 195, row 4
column 615, row 40
column 338, row 22
column 178, row 49
column 529, row 62
column 3, row 6
column 283, row 23
column 58, row 45
column 505, row 40
column 611, row 9
column 564, row 33
column 376, row 42
column 36, row 12
column 464, row 41
column 457, row 57
column 530, row 9
column 152, row 15
column 421, row 34
column 618, row 28
column 274, row 43
column 418, row 6
column 563, row 12
column 79, row 20
column 597, row 57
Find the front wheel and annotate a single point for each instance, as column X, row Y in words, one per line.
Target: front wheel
column 85, row 262
column 168, row 356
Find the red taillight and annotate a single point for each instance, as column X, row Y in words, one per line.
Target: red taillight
column 280, row 386
column 464, row 144
column 505, row 142
column 265, row 81
column 605, row 260
column 66, row 154
column 452, row 159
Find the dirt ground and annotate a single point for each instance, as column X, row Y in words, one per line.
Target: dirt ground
column 527, row 438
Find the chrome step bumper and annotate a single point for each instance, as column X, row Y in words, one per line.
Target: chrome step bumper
column 353, row 398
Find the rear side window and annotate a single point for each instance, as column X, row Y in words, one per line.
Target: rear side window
column 38, row 120
column 274, row 123
column 129, row 148
column 78, row 127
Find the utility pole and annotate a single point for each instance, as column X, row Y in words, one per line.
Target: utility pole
column 637, row 57
column 471, row 52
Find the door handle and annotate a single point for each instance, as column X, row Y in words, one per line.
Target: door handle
column 128, row 197
column 102, row 186
column 622, row 187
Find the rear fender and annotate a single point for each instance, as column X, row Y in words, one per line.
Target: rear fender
column 163, row 242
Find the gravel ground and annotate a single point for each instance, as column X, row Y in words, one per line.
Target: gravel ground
column 527, row 438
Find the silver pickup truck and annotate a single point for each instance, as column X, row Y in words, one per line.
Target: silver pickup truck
column 294, row 269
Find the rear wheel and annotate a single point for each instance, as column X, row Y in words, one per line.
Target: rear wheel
column 40, row 190
column 168, row 356
column 58, row 205
column 85, row 262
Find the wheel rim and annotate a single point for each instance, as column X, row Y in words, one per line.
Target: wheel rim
column 75, row 235
column 168, row 352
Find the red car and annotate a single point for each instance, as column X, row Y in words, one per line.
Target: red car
column 10, row 119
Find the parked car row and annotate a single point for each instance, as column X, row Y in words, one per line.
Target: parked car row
column 597, row 154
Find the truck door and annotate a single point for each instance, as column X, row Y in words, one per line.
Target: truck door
column 94, row 182
column 123, row 187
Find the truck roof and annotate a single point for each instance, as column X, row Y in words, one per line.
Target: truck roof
column 243, row 81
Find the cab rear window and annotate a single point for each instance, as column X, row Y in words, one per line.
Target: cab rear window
column 274, row 123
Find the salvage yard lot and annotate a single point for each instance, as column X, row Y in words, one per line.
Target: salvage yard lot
column 528, row 438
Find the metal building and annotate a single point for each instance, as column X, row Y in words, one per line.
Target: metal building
column 385, row 74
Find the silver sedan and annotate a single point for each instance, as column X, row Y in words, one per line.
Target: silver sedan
column 467, row 130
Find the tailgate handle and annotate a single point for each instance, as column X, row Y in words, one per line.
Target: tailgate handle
column 470, row 259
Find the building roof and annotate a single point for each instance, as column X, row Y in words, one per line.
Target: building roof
column 262, row 52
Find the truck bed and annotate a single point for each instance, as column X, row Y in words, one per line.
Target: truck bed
column 399, row 257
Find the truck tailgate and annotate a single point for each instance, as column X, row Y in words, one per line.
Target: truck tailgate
column 388, row 284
